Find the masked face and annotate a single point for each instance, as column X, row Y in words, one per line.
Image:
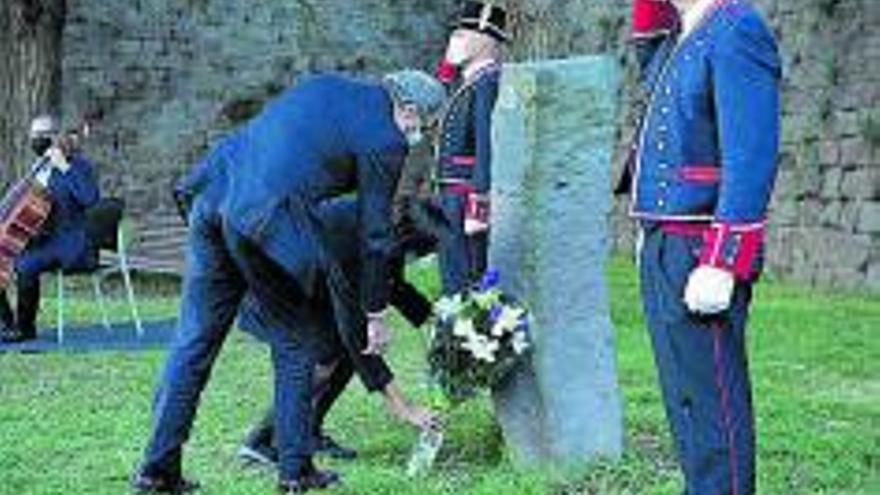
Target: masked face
column 410, row 123
column 458, row 50
column 39, row 145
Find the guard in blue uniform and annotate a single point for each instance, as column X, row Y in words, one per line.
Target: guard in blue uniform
column 255, row 228
column 339, row 363
column 702, row 174
column 62, row 242
column 472, row 68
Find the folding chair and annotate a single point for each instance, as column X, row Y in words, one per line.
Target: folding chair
column 104, row 229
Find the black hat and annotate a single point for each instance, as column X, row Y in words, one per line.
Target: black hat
column 484, row 17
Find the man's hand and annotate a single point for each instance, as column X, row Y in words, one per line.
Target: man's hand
column 57, row 159
column 378, row 334
column 476, row 214
column 417, row 416
column 709, row 290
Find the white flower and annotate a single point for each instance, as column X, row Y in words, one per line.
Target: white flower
column 463, row 328
column 508, row 321
column 485, row 300
column 481, row 347
column 520, row 342
column 448, row 307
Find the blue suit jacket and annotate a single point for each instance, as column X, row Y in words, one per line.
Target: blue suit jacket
column 326, row 137
column 708, row 145
column 340, row 217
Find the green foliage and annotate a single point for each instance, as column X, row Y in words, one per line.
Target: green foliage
column 78, row 423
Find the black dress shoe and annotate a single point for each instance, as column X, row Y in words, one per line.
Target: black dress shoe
column 325, row 444
column 144, row 484
column 314, row 480
column 14, row 336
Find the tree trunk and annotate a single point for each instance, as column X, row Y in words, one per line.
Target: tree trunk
column 30, row 74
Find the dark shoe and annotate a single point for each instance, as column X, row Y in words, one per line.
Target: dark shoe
column 11, row 335
column 326, row 445
column 315, row 480
column 149, row 484
column 258, row 453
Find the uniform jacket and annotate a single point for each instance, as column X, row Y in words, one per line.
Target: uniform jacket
column 326, row 137
column 464, row 148
column 708, row 143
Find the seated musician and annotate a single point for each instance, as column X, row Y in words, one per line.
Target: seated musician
column 62, row 242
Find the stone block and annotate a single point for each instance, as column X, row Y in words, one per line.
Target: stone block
column 855, row 151
column 829, row 153
column 862, row 183
column 831, row 182
column 553, row 141
column 869, row 217
column 872, row 278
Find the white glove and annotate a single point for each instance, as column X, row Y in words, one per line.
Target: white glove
column 472, row 227
column 57, row 159
column 709, row 290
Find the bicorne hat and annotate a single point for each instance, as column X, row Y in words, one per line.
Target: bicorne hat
column 485, row 17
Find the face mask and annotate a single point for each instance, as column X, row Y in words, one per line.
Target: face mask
column 457, row 53
column 40, row 145
column 415, row 137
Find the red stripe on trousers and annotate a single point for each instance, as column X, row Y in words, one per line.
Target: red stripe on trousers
column 726, row 414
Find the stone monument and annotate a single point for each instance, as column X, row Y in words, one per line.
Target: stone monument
column 554, row 131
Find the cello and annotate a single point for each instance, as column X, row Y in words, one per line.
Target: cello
column 27, row 203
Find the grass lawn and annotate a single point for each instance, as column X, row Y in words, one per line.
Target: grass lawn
column 77, row 423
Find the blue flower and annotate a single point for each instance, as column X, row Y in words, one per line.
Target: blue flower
column 490, row 280
column 495, row 313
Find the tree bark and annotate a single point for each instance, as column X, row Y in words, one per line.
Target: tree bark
column 30, row 74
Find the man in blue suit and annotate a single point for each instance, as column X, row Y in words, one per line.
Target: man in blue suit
column 701, row 176
column 255, row 228
column 62, row 242
column 472, row 66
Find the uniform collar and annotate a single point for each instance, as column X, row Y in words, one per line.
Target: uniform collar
column 694, row 17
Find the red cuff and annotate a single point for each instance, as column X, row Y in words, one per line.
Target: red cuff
column 477, row 208
column 653, row 17
column 734, row 247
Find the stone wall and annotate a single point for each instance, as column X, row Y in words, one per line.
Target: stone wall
column 174, row 75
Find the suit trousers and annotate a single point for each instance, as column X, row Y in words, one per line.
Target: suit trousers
column 222, row 266
column 703, row 370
